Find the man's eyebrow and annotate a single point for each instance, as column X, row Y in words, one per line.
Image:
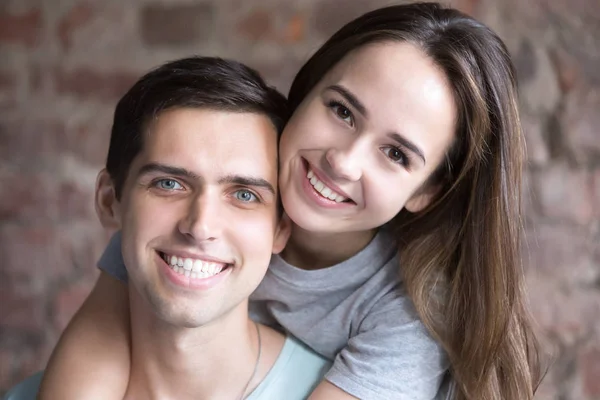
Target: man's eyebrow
column 404, row 142
column 243, row 180
column 167, row 169
column 350, row 98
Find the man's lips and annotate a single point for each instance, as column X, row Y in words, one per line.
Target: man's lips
column 194, row 267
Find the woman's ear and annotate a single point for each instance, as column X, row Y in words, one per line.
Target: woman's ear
column 282, row 234
column 422, row 198
column 107, row 205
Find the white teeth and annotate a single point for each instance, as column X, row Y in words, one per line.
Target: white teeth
column 197, row 267
column 193, row 268
column 323, row 189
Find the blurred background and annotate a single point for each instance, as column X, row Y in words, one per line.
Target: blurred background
column 65, row 63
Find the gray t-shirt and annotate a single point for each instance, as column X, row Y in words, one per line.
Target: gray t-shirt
column 356, row 314
column 295, row 374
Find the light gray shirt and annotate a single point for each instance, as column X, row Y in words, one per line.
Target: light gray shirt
column 356, row 314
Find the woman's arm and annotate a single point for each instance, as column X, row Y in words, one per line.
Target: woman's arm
column 328, row 391
column 391, row 356
column 93, row 356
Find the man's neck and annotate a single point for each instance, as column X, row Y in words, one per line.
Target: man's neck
column 214, row 361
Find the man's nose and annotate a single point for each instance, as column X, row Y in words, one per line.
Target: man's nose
column 203, row 220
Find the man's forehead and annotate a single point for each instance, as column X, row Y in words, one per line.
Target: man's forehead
column 216, row 129
column 217, row 142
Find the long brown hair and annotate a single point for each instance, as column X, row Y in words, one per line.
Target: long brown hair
column 460, row 257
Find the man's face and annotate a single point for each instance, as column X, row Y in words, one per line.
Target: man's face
column 199, row 213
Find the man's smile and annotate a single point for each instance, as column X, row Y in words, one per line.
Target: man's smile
column 194, row 268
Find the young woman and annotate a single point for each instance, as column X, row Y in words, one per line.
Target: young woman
column 401, row 172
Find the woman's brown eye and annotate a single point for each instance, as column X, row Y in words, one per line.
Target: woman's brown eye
column 343, row 112
column 395, row 154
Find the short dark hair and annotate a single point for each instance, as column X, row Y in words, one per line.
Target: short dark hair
column 198, row 82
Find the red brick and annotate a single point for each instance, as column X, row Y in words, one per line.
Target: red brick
column 8, row 81
column 8, row 89
column 568, row 71
column 30, row 139
column 596, row 191
column 565, row 315
column 257, row 25
column 74, row 201
column 278, row 73
column 24, row 312
column 470, row 7
column 540, row 92
column 82, row 243
column 580, row 121
column 176, row 25
column 561, row 252
column 565, row 194
column 6, row 368
column 25, row 196
column 32, row 255
column 525, row 61
column 589, row 365
column 85, row 82
column 37, row 76
column 77, row 17
column 534, row 128
column 89, row 140
column 25, row 358
column 295, row 29
column 68, row 301
column 22, row 28
column 331, row 15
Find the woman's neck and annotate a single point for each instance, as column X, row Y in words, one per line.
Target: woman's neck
column 310, row 250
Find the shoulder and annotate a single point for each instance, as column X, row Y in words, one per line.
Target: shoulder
column 297, row 357
column 27, row 389
column 295, row 374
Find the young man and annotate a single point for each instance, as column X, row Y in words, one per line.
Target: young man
column 191, row 181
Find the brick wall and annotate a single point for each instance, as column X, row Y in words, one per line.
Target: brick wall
column 64, row 64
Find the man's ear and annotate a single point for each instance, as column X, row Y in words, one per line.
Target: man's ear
column 107, row 206
column 422, row 198
column 284, row 229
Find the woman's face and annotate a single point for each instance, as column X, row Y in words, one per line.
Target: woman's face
column 361, row 145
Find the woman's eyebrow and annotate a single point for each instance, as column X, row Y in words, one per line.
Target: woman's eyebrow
column 350, row 98
column 408, row 145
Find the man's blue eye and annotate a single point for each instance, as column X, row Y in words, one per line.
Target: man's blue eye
column 169, row 184
column 246, row 196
